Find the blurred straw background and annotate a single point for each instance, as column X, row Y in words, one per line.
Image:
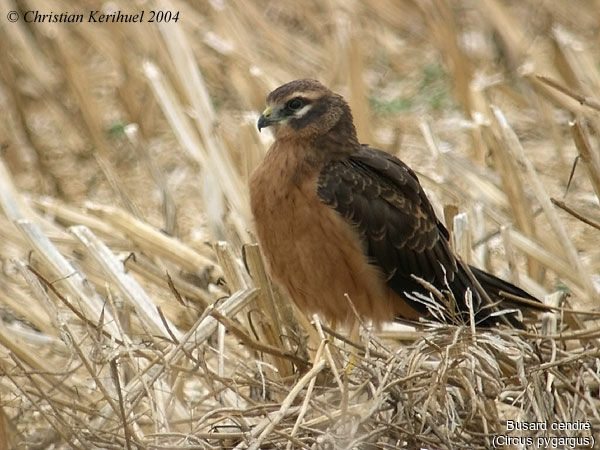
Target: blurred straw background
column 134, row 315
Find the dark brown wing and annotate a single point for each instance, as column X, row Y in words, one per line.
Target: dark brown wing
column 382, row 198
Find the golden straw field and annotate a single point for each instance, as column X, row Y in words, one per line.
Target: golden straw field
column 135, row 308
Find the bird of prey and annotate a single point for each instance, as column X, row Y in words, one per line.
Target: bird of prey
column 335, row 217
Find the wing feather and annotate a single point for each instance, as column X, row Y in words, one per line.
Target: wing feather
column 383, row 200
column 381, row 197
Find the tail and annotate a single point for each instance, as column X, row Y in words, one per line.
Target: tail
column 496, row 289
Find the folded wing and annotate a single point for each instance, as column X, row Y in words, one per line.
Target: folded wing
column 382, row 199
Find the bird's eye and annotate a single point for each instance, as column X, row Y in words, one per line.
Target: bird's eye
column 295, row 104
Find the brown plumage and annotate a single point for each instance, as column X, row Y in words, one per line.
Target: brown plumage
column 335, row 217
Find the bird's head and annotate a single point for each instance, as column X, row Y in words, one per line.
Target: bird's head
column 305, row 108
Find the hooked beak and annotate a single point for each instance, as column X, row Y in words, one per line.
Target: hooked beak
column 265, row 119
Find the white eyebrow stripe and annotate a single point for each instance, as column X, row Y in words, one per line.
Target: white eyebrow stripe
column 302, row 111
column 310, row 95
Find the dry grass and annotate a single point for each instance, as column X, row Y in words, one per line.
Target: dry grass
column 131, row 318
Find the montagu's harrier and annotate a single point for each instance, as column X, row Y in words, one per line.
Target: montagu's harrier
column 337, row 217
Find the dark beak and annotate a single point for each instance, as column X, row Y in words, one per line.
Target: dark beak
column 266, row 119
column 263, row 122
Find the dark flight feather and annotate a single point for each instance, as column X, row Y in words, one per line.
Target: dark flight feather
column 382, row 198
